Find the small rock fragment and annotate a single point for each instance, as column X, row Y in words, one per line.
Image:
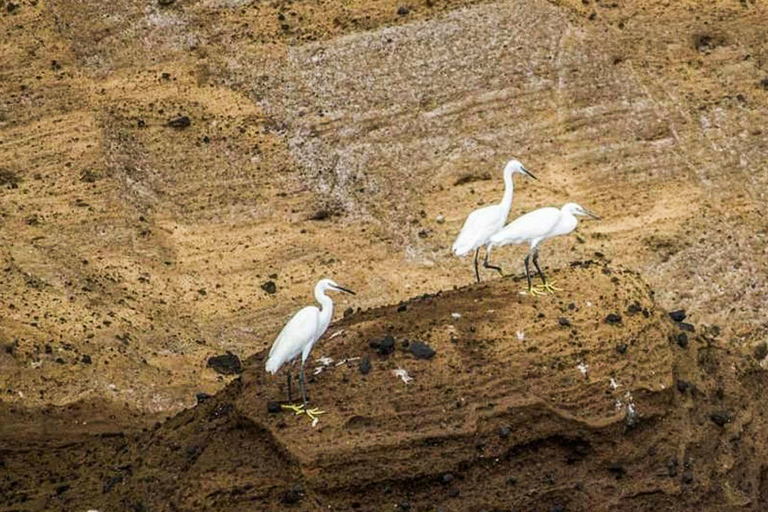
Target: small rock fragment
column 270, row 287
column 686, row 327
column 720, row 418
column 401, row 308
column 504, row 432
column 564, row 322
column 677, row 316
column 761, row 351
column 621, row 348
column 273, row 407
column 86, row 359
column 180, row 122
column 225, row 364
column 687, row 477
column 446, row 478
column 613, row 319
column 682, row 385
column 672, row 467
column 383, row 346
column 422, row 350
column 617, row 469
column 293, row 495
column 403, row 10
column 682, row 340
column 365, row 365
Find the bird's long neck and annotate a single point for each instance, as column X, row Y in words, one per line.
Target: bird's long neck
column 568, row 222
column 509, row 188
column 326, row 308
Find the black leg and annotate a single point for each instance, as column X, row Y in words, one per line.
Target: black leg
column 290, row 378
column 488, row 265
column 303, row 383
column 536, row 262
column 477, row 271
column 527, row 274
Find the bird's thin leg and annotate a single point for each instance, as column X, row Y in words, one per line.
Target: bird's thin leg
column 477, row 271
column 546, row 286
column 486, row 264
column 538, row 268
column 303, row 383
column 531, row 289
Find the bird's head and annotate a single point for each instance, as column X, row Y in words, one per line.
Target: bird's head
column 329, row 284
column 575, row 209
column 514, row 166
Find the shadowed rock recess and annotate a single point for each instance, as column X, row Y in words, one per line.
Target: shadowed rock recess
column 517, row 410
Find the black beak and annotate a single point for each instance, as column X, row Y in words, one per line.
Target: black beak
column 530, row 174
column 592, row 214
column 339, row 288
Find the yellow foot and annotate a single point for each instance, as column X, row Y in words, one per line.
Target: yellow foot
column 548, row 288
column 300, row 409
column 534, row 291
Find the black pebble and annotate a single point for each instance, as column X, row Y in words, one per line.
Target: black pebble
column 634, row 308
column 446, row 478
column 760, row 351
column 511, row 480
column 383, row 346
column 293, row 495
column 403, row 10
column 682, row 385
column 202, row 397
column 48, row 349
column 274, row 408
column 613, row 319
column 180, row 122
column 62, row 489
column 682, row 339
column 226, row 364
column 564, row 322
column 270, row 287
column 617, row 469
column 365, row 365
column 401, row 308
column 422, row 350
column 677, row 316
column 504, row 432
column 621, row 348
column 720, row 418
column 349, row 311
column 405, row 506
column 686, row 327
column 206, row 139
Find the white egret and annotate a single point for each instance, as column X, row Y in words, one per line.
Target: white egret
column 535, row 227
column 299, row 336
column 484, row 222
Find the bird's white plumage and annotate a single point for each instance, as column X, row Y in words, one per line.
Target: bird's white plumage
column 538, row 225
column 299, row 332
column 478, row 227
column 486, row 221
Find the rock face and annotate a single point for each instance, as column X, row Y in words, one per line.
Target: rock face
column 490, row 421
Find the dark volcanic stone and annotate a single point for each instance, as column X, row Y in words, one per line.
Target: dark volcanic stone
column 274, row 407
column 270, row 287
column 761, row 350
column 564, row 322
column 720, row 418
column 180, row 122
column 682, row 339
column 405, row 506
column 621, row 348
column 504, row 432
column 677, row 316
column 293, row 495
column 617, row 469
column 634, row 308
column 111, row 482
column 672, row 467
column 764, row 83
column 403, row 10
column 446, row 478
column 226, row 364
column 86, row 359
column 349, row 311
column 202, row 397
column 511, row 480
column 422, row 350
column 682, row 385
column 165, row 2
column 62, row 489
column 365, row 365
column 686, row 327
column 401, row 308
column 383, row 346
column 687, row 477
column 613, row 319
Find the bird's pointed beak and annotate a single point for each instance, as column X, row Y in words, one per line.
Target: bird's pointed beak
column 530, row 174
column 592, row 214
column 341, row 289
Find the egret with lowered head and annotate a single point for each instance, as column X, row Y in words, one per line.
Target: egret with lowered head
column 299, row 336
column 535, row 227
column 484, row 222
